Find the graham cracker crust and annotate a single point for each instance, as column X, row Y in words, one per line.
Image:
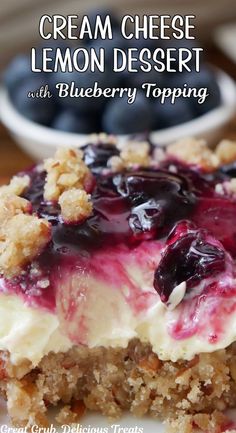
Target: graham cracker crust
column 184, row 394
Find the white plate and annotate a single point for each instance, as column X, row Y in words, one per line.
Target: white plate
column 225, row 37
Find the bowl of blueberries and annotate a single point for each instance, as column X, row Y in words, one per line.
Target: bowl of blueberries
column 40, row 124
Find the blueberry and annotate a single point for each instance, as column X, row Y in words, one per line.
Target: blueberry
column 17, row 71
column 117, row 41
column 190, row 259
column 83, row 80
column 34, row 193
column 136, row 79
column 49, row 211
column 141, row 43
column 103, row 12
column 54, row 45
column 120, row 117
column 206, row 78
column 71, row 122
column 113, row 79
column 229, row 169
column 39, row 110
column 168, row 114
column 96, row 156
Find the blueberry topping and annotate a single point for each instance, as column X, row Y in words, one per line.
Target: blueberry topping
column 157, row 198
column 144, row 204
column 50, row 211
column 174, row 203
column 35, row 190
column 127, row 207
column 229, row 169
column 190, row 258
column 97, row 156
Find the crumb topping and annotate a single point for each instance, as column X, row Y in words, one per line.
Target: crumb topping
column 231, row 186
column 104, row 139
column 115, row 163
column 11, row 205
column 17, row 185
column 22, row 235
column 226, row 151
column 132, row 154
column 158, row 155
column 228, row 187
column 75, row 205
column 65, row 171
column 194, row 151
column 136, row 153
column 66, row 181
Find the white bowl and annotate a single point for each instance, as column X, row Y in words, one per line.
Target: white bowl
column 40, row 141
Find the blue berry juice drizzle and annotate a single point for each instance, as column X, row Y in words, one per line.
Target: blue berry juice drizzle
column 190, row 259
column 132, row 207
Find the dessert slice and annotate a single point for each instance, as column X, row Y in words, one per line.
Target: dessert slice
column 117, row 288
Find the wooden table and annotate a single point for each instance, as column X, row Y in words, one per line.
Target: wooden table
column 13, row 159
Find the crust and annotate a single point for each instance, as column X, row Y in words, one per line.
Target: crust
column 185, row 394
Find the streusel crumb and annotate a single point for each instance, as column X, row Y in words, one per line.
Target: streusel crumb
column 158, row 155
column 115, row 163
column 22, row 238
column 75, row 205
column 193, row 151
column 11, row 205
column 231, row 186
column 104, row 139
column 211, row 423
column 136, row 153
column 226, row 151
column 66, row 416
column 228, row 187
column 17, row 185
column 65, row 171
